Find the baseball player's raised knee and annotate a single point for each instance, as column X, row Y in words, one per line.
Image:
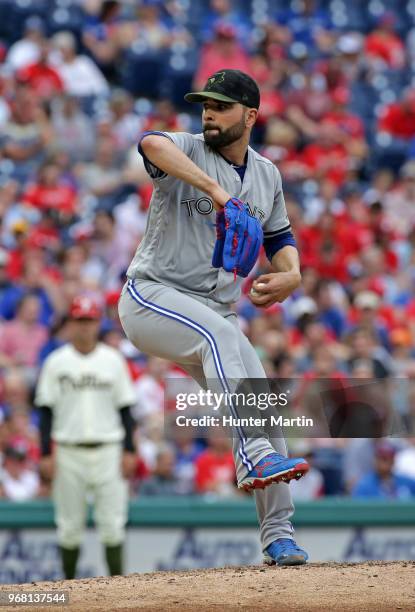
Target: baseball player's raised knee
column 223, row 335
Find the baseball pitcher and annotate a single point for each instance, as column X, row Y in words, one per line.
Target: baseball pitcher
column 215, row 201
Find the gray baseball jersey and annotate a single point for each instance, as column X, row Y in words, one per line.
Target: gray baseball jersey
column 177, row 247
column 178, row 307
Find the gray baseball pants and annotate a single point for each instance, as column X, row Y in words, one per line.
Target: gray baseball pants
column 204, row 338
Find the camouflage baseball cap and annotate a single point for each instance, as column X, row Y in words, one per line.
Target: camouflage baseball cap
column 228, row 86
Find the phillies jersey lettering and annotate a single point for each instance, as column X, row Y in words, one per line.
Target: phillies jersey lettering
column 85, row 393
column 87, row 381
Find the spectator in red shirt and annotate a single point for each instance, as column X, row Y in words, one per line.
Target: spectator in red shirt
column 383, row 46
column 44, row 81
column 331, row 243
column 339, row 115
column 215, row 471
column 307, row 103
column 50, row 192
column 272, row 105
column 223, row 52
column 398, row 119
column 353, row 228
column 163, row 118
column 334, row 154
column 327, row 157
column 282, row 147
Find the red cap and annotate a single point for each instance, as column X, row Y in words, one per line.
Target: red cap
column 83, row 307
column 112, row 297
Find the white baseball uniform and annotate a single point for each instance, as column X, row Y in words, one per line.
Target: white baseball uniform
column 85, row 393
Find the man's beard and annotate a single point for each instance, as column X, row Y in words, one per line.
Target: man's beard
column 224, row 137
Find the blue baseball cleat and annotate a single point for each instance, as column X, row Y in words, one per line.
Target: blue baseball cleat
column 274, row 468
column 285, row 551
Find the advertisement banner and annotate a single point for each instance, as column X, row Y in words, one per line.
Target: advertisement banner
column 31, row 555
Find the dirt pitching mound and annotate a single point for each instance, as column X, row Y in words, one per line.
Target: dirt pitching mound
column 318, row 586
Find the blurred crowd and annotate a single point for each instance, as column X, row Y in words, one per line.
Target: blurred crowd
column 79, row 81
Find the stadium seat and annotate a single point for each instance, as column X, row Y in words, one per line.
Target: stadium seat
column 389, row 152
column 178, row 76
column 348, row 15
column 66, row 18
column 15, row 14
column 142, row 72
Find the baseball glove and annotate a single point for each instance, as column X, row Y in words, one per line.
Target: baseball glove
column 238, row 239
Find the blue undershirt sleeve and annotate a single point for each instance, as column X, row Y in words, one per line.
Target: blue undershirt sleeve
column 272, row 244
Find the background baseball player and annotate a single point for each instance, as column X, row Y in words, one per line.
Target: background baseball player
column 178, row 306
column 84, row 394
